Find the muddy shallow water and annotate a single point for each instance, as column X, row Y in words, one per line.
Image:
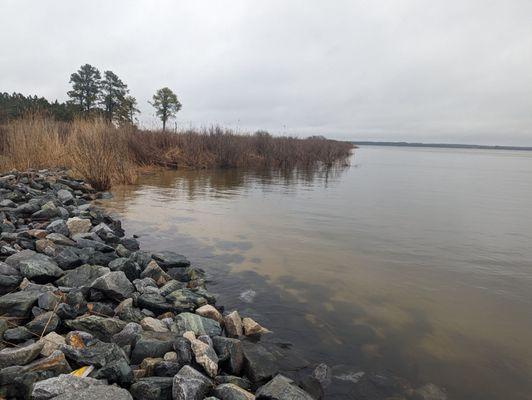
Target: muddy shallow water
column 418, row 261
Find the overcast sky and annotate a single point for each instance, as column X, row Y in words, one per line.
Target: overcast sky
column 438, row 70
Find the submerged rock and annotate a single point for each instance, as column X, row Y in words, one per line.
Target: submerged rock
column 281, row 388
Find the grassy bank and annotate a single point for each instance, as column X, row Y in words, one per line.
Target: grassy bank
column 104, row 154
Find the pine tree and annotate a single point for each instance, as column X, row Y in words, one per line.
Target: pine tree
column 166, row 104
column 85, row 87
column 113, row 95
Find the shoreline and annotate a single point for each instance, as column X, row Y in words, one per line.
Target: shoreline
column 85, row 312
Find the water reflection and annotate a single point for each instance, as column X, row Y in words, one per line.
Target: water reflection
column 413, row 262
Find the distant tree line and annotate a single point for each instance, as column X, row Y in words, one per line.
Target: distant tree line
column 91, row 96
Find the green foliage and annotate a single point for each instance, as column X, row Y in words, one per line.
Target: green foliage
column 127, row 110
column 112, row 95
column 16, row 105
column 166, row 104
column 85, row 87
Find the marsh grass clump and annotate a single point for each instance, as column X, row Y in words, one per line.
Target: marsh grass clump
column 105, row 154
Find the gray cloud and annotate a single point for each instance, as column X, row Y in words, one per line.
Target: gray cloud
column 444, row 70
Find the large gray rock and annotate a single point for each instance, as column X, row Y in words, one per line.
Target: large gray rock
column 152, row 388
column 199, row 325
column 229, row 391
column 281, row 388
column 190, row 384
column 186, row 300
column 18, row 304
column 97, row 392
column 127, row 266
column 101, row 327
column 82, row 276
column 170, row 259
column 58, row 226
column 153, row 345
column 19, row 355
column 78, row 225
column 114, row 284
column 259, row 364
column 35, row 266
column 95, row 353
column 43, row 323
column 230, row 353
column 65, row 383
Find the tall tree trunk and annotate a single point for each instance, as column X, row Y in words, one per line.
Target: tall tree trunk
column 164, row 125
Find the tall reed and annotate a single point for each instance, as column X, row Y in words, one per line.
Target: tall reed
column 104, row 154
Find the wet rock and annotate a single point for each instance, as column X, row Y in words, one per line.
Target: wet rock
column 429, row 392
column 169, row 259
column 252, row 328
column 199, row 325
column 186, row 300
column 189, row 384
column 95, row 353
column 152, row 344
column 229, row 391
column 101, row 327
column 152, row 388
column 114, row 284
column 230, row 353
column 280, row 388
column 18, row 304
column 43, row 323
column 209, row 311
column 235, row 380
column 78, row 225
column 97, row 392
column 51, row 343
column 65, row 383
column 259, row 363
column 233, row 325
column 35, row 266
column 170, row 287
column 19, row 355
column 204, row 354
column 152, row 324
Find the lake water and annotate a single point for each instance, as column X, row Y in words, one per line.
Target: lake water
column 417, row 261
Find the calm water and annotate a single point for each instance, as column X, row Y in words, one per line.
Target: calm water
column 414, row 260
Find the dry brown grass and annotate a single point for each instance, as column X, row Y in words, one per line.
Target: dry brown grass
column 104, row 154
